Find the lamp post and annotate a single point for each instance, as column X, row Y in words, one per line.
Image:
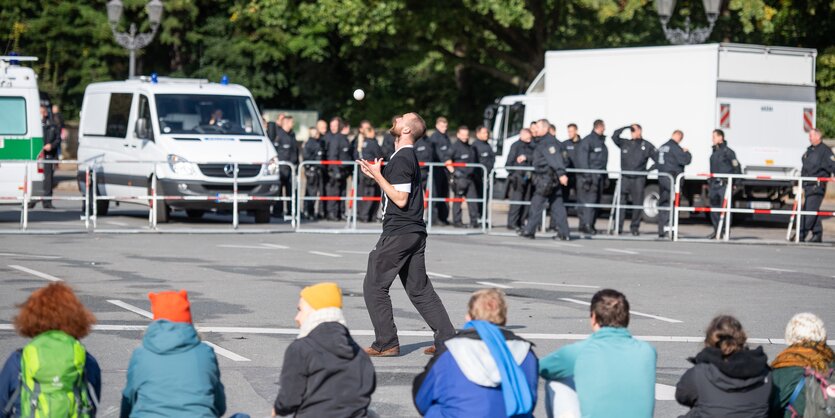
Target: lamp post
column 132, row 40
column 688, row 35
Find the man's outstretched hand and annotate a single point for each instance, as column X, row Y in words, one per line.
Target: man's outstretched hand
column 372, row 170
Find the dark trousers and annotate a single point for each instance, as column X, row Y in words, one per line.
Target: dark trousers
column 632, row 190
column 665, row 190
column 48, row 179
column 478, row 185
column 313, row 187
column 812, row 202
column 518, row 214
column 335, row 186
column 465, row 189
column 716, row 196
column 403, row 255
column 589, row 188
column 440, row 189
column 367, row 209
column 285, row 189
column 558, row 213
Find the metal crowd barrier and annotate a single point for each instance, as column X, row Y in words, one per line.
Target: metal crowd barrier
column 351, row 198
column 726, row 210
column 615, row 206
column 430, row 199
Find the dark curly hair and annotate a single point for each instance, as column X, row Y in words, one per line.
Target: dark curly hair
column 54, row 307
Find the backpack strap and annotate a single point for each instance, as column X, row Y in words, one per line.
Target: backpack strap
column 35, row 395
column 795, row 394
column 7, row 410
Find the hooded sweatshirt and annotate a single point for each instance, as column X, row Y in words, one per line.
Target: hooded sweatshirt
column 173, row 375
column 463, row 380
column 325, row 374
column 737, row 386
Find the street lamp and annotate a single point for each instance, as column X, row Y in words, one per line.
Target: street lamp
column 689, row 35
column 132, row 40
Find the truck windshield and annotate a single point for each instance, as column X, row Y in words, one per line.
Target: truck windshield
column 207, row 114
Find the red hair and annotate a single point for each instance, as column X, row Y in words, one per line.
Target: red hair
column 54, row 307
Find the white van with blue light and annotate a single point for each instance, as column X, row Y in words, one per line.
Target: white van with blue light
column 184, row 135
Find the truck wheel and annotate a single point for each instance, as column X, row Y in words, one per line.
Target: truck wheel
column 262, row 216
column 163, row 211
column 651, row 196
column 195, row 213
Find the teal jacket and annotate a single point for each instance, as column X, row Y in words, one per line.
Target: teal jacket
column 173, row 375
column 614, row 374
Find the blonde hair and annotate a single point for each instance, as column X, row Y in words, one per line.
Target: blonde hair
column 488, row 305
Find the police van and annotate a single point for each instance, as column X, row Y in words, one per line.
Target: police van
column 185, row 136
column 21, row 134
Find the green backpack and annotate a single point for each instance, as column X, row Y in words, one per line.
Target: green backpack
column 52, row 380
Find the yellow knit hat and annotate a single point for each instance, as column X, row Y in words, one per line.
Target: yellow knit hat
column 323, row 295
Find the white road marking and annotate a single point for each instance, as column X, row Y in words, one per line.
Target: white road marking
column 46, row 257
column 778, row 270
column 131, row 308
column 660, row 318
column 491, row 284
column 322, row 253
column 352, row 252
column 651, row 250
column 665, row 392
column 276, row 246
column 407, row 333
column 246, row 247
column 615, row 250
column 548, row 245
column 226, row 353
column 560, row 284
column 439, row 275
column 36, row 273
column 117, row 223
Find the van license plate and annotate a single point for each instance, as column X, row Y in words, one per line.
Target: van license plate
column 760, row 205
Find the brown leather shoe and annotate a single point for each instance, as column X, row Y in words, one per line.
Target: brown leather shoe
column 391, row 352
column 429, row 351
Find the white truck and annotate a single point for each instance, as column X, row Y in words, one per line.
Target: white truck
column 762, row 97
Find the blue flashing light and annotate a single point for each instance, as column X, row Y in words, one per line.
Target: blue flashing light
column 154, row 78
column 13, row 62
column 224, row 80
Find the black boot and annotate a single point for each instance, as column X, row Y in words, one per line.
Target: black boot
column 818, row 237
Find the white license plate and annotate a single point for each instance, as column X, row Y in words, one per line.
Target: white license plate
column 760, row 205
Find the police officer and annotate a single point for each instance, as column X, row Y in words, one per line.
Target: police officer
column 818, row 161
column 634, row 156
column 442, row 146
column 591, row 154
column 313, row 150
column 570, row 146
column 425, row 154
column 368, row 149
column 337, row 148
column 671, row 159
column 549, row 174
column 518, row 181
column 461, row 178
column 388, row 141
column 722, row 161
column 52, row 144
column 288, row 151
column 485, row 156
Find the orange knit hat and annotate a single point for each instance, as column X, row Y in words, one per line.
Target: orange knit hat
column 323, row 295
column 173, row 306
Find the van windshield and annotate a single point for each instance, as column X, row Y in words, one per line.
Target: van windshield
column 207, row 114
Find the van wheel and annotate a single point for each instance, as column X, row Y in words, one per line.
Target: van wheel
column 163, row 211
column 102, row 206
column 262, row 216
column 651, row 196
column 195, row 213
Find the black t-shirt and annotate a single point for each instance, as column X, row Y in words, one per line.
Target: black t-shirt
column 402, row 169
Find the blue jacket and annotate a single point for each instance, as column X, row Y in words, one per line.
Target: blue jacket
column 10, row 380
column 173, row 375
column 464, row 381
column 614, row 374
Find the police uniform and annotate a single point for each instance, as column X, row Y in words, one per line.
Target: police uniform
column 314, row 150
column 519, row 183
column 442, row 148
column 634, row 155
column 570, row 148
column 51, row 136
column 548, row 165
column 591, row 154
column 288, row 150
column 818, row 161
column 671, row 159
column 722, row 161
column 462, row 183
column 367, row 210
column 425, row 154
column 388, row 145
column 337, row 148
column 487, row 157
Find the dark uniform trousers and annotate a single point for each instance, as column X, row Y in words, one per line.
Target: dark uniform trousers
column 589, row 189
column 716, row 196
column 465, row 188
column 558, row 213
column 403, row 255
column 285, row 189
column 48, row 177
column 440, row 190
column 367, row 209
column 814, row 194
column 313, row 187
column 665, row 189
column 335, row 186
column 518, row 214
column 632, row 190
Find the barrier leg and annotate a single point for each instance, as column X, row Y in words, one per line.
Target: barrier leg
column 677, row 202
column 799, row 202
column 24, row 219
column 355, row 196
column 94, row 190
column 154, row 201
column 727, row 206
column 87, row 192
column 673, row 198
column 429, row 188
column 615, row 212
column 543, row 225
column 235, row 198
column 484, row 201
column 489, row 209
column 294, row 208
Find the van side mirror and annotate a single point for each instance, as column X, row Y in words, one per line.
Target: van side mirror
column 143, row 129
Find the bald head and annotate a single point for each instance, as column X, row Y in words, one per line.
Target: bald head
column 409, row 127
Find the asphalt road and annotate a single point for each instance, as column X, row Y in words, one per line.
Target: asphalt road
column 244, row 288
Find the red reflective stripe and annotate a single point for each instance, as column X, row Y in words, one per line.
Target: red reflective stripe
column 455, row 199
column 824, row 179
column 701, row 209
column 330, row 198
column 426, row 198
column 330, row 162
column 678, row 199
column 708, row 175
column 421, row 163
column 825, row 213
column 456, row 164
column 763, row 177
column 762, row 211
column 371, row 198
